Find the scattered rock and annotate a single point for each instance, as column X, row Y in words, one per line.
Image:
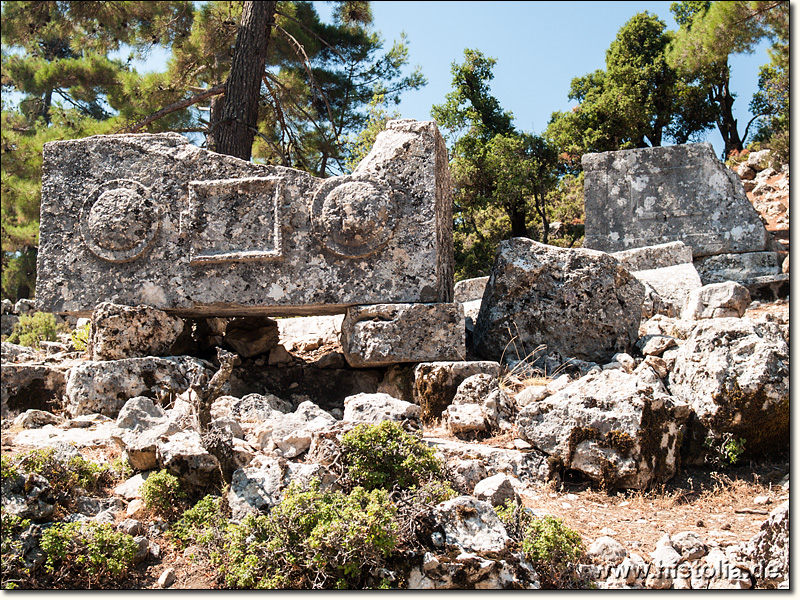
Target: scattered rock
column 578, row 302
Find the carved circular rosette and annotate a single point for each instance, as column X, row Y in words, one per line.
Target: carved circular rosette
column 119, row 220
column 353, row 218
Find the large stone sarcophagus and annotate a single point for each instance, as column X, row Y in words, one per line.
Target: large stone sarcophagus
column 152, row 219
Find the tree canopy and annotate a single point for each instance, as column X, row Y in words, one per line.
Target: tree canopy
column 637, row 101
column 68, row 62
column 710, row 32
column 502, row 176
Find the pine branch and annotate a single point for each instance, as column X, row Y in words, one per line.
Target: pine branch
column 185, row 103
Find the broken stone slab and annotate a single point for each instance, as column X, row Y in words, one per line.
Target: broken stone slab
column 496, row 490
column 150, row 219
column 104, row 387
column 256, row 487
column 28, row 386
column 290, row 434
column 479, row 405
column 766, row 554
column 580, row 303
column 376, row 408
column 658, row 256
column 16, row 353
column 672, row 286
column 471, row 525
column 650, row 196
column 33, row 419
column 620, row 430
column 735, row 375
column 436, row 383
column 738, row 267
column 467, row 290
column 726, row 299
column 386, row 334
column 531, row 467
column 184, row 455
column 131, row 332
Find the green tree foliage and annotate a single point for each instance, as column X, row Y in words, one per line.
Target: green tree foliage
column 502, row 176
column 67, row 61
column 709, row 33
column 359, row 145
column 637, row 101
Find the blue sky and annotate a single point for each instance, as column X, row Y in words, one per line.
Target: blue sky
column 539, row 48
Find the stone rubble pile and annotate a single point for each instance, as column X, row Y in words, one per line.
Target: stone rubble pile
column 617, row 367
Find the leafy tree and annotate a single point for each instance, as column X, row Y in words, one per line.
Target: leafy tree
column 638, row 101
column 502, row 176
column 359, row 145
column 709, row 33
column 56, row 54
column 310, row 94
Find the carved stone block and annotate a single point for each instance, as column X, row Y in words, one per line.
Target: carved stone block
column 651, row 196
column 151, row 219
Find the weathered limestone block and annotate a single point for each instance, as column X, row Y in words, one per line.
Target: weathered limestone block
column 150, row 219
column 436, row 383
column 471, row 525
column 672, row 285
column 470, row 289
column 251, row 336
column 650, row 196
column 479, row 405
column 738, row 267
column 25, row 386
column 615, row 428
column 131, row 332
column 496, row 490
column 530, row 466
column 385, row 334
column 658, row 256
column 735, row 375
column 577, row 302
column 667, row 272
column 376, row 408
column 766, row 554
column 104, row 387
column 727, row 299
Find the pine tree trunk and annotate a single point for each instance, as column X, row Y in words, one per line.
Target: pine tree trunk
column 235, row 131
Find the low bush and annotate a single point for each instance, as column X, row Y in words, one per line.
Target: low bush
column 62, row 473
column 14, row 572
column 201, row 525
column 553, row 549
column 80, row 337
column 86, row 554
column 35, row 328
column 313, row 539
column 384, row 455
column 161, row 493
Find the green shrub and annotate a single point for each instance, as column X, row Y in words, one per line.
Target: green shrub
column 35, row 328
column 384, row 455
column 201, row 524
column 8, row 470
column 726, row 451
column 87, row 553
column 313, row 539
column 80, row 337
column 552, row 548
column 64, row 474
column 160, row 492
column 14, row 571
